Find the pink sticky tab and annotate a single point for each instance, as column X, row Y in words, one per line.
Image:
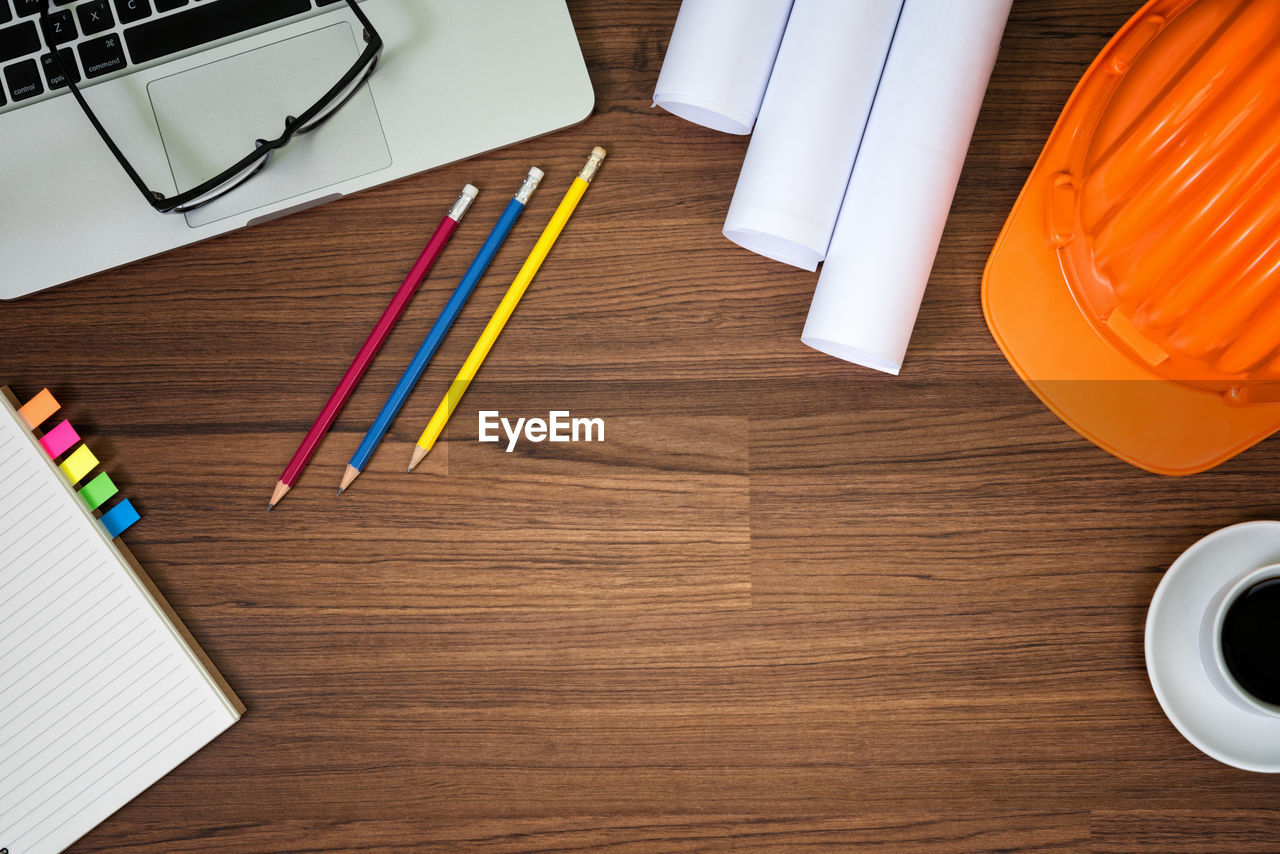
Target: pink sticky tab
column 59, row 439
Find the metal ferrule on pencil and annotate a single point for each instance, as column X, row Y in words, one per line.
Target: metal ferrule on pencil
column 530, row 184
column 593, row 164
column 464, row 201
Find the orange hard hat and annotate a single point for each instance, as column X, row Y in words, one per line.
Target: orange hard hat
column 1136, row 284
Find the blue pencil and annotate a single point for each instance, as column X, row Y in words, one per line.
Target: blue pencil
column 440, row 329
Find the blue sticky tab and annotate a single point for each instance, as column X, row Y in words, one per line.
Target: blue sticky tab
column 118, row 519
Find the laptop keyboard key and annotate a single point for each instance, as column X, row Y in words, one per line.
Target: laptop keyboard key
column 95, row 16
column 206, row 22
column 6, row 14
column 167, row 5
column 132, row 10
column 28, row 7
column 23, row 79
column 18, row 40
column 52, row 74
column 63, row 26
column 101, row 56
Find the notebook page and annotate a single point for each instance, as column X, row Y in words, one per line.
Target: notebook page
column 99, row 698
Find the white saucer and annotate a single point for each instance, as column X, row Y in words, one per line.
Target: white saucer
column 1193, row 702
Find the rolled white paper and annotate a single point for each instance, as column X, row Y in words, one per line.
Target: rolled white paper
column 896, row 206
column 718, row 61
column 810, row 124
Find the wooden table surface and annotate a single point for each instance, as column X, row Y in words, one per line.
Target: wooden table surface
column 788, row 603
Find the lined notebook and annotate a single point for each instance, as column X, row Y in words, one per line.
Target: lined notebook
column 102, row 690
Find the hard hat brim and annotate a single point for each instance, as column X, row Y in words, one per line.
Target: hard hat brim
column 1102, row 393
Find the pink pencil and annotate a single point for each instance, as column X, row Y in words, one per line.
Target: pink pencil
column 371, row 345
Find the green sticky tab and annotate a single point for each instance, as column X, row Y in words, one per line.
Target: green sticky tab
column 98, row 490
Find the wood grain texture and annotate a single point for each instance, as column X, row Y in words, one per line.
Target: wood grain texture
column 789, row 604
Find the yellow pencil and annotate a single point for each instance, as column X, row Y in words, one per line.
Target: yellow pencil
column 508, row 305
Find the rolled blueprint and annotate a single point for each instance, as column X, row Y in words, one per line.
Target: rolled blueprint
column 718, row 61
column 810, row 124
column 901, row 189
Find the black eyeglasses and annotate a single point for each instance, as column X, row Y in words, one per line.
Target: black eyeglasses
column 253, row 162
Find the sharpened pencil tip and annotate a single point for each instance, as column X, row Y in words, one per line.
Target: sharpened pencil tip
column 277, row 494
column 348, row 478
column 269, row 506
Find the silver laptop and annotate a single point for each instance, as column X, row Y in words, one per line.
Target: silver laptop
column 187, row 88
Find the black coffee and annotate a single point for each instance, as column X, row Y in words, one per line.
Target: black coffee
column 1251, row 640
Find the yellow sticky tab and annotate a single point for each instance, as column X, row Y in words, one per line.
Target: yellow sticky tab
column 79, row 464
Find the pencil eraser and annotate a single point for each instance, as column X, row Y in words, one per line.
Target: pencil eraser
column 537, row 174
column 598, row 152
column 470, row 191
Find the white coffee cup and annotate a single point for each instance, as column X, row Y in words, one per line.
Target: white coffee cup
column 1215, row 662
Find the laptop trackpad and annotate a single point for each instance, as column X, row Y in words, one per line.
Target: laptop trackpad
column 210, row 116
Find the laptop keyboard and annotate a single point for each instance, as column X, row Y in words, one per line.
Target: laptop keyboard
column 98, row 40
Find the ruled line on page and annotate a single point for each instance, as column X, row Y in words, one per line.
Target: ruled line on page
column 68, row 769
column 135, row 769
column 73, row 573
column 10, row 605
column 46, row 762
column 14, row 486
column 11, row 455
column 31, row 530
column 17, row 680
column 110, row 768
column 40, row 494
column 21, row 486
column 4, row 760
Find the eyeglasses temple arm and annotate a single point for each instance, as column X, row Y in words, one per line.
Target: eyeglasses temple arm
column 93, row 119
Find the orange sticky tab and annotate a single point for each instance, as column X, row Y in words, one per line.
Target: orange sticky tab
column 38, row 408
